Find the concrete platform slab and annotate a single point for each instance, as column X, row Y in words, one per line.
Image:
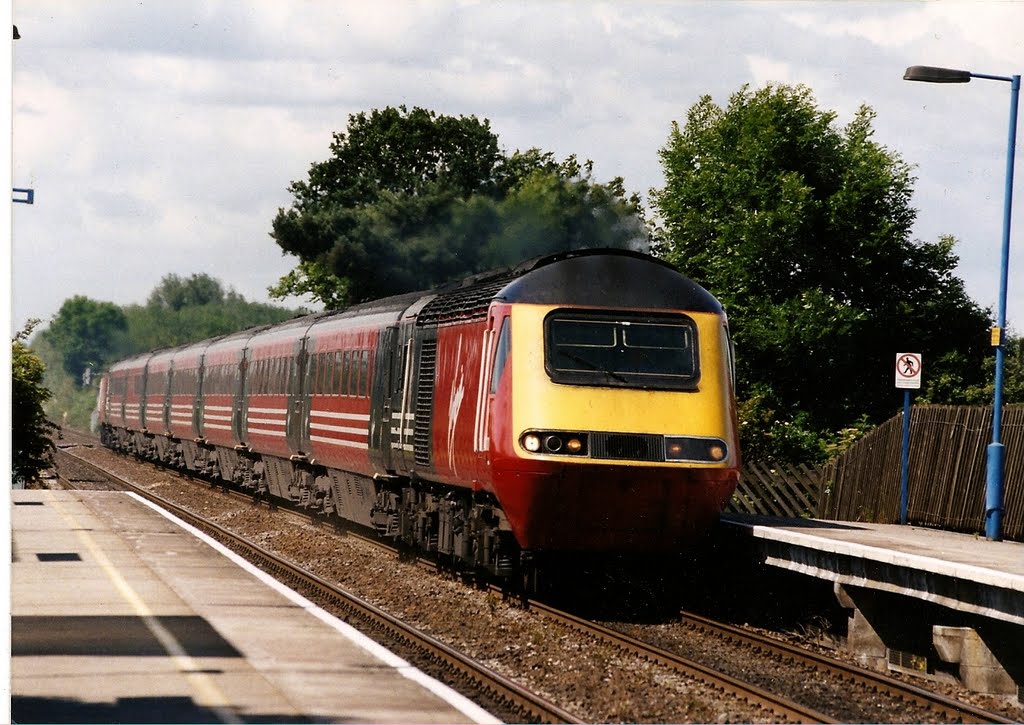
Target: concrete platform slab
column 960, row 571
column 122, row 614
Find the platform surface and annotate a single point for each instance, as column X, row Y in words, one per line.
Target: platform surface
column 120, row 613
column 967, row 556
column 963, row 571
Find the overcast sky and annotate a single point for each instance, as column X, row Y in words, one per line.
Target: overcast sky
column 160, row 136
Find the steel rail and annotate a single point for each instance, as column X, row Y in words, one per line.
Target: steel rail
column 457, row 667
column 945, row 707
column 777, row 705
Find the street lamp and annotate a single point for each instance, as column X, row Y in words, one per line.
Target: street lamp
column 996, row 451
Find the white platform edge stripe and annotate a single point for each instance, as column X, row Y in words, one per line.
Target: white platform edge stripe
column 470, row 709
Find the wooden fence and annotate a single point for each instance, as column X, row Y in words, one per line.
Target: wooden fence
column 772, row 489
column 947, row 471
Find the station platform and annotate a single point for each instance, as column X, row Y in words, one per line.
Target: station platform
column 916, row 595
column 123, row 613
column 960, row 571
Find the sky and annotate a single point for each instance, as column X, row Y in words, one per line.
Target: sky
column 160, row 136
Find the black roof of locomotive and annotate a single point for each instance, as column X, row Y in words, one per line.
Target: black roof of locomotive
column 595, row 277
column 616, row 277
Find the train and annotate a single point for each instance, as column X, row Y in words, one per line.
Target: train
column 577, row 403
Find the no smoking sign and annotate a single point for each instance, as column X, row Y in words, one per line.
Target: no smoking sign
column 908, row 370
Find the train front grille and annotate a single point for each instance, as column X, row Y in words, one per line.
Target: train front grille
column 627, row 446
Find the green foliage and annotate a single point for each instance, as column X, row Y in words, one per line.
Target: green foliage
column 181, row 311
column 70, row 404
column 178, row 311
column 802, row 229
column 87, row 334
column 1013, row 377
column 173, row 292
column 32, row 447
column 410, row 200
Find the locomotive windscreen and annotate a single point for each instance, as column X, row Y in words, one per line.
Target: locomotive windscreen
column 636, row 351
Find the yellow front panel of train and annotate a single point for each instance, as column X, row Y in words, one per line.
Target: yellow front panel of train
column 540, row 403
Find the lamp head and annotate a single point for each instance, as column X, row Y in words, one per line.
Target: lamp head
column 931, row 74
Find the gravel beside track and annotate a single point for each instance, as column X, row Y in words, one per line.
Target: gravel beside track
column 586, row 676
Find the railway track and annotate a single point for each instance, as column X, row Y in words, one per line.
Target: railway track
column 495, row 692
column 946, row 709
column 773, row 706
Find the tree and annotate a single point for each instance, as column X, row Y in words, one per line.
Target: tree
column 32, row 447
column 802, row 229
column 1013, row 377
column 87, row 334
column 173, row 292
column 411, row 199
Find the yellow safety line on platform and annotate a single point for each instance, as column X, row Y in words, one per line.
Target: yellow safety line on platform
column 208, row 694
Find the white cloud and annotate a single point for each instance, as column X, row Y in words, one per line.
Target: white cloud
column 767, row 70
column 163, row 134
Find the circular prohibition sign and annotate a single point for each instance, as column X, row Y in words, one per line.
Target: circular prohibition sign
column 908, row 365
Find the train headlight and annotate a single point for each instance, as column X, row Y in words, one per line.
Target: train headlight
column 696, row 450
column 555, row 443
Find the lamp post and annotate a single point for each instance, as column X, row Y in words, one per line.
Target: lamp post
column 996, row 450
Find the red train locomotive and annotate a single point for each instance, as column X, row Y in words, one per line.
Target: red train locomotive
column 580, row 402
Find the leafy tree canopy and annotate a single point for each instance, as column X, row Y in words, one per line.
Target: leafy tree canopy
column 802, row 229
column 87, row 334
column 412, row 199
column 32, row 446
column 173, row 292
column 181, row 310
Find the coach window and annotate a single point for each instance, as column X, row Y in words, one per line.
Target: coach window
column 353, row 380
column 500, row 356
column 353, row 374
column 311, row 370
column 364, row 374
column 336, row 368
column 344, row 373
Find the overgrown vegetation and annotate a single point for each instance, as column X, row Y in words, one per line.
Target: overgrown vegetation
column 31, row 432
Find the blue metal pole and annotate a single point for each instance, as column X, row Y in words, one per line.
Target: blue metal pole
column 996, row 450
column 905, row 462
